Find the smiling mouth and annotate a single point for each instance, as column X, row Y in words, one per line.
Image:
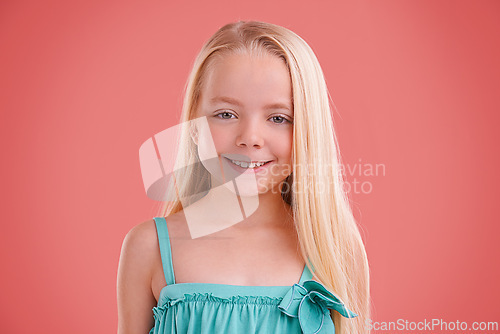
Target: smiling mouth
column 248, row 165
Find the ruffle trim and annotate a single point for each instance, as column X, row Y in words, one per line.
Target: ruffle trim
column 210, row 298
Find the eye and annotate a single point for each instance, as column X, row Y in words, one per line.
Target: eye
column 280, row 119
column 224, row 115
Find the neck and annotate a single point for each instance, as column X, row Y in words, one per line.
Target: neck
column 261, row 210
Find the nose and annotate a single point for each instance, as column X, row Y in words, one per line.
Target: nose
column 250, row 135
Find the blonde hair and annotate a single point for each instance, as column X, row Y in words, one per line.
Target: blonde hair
column 327, row 230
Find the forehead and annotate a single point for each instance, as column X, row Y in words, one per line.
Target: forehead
column 253, row 80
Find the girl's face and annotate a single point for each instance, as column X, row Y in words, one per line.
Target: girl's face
column 247, row 102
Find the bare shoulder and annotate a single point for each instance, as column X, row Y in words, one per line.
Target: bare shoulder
column 139, row 247
column 140, row 238
column 177, row 225
column 135, row 270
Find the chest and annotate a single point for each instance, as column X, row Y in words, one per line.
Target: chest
column 268, row 258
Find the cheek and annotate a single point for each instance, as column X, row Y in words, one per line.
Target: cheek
column 221, row 141
column 280, row 141
column 220, row 138
column 284, row 149
column 207, row 143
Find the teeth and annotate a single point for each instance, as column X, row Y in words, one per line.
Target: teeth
column 247, row 165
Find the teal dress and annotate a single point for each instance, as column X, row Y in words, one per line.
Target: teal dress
column 207, row 308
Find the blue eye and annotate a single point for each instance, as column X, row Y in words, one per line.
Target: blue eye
column 280, row 119
column 225, row 113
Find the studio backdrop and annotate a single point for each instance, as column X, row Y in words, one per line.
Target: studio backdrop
column 415, row 86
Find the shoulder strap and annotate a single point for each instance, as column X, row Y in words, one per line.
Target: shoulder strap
column 165, row 249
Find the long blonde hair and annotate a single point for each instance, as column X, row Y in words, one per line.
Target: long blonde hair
column 328, row 233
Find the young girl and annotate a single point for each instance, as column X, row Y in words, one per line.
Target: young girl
column 259, row 236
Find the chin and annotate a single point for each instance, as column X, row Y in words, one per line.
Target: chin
column 247, row 189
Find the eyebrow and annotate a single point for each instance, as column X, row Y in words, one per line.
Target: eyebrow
column 235, row 102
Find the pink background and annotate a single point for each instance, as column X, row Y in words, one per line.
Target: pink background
column 85, row 83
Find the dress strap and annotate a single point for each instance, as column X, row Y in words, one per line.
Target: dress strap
column 306, row 274
column 165, row 249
